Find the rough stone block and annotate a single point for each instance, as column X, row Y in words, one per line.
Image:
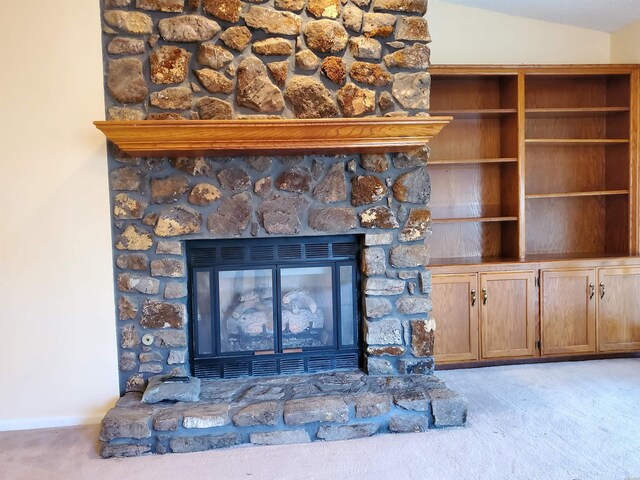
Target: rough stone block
column 315, row 409
column 157, row 314
column 124, row 450
column 126, row 423
column 407, row 256
column 449, row 409
column 159, row 390
column 415, row 400
column 384, row 332
column 408, row 423
column 373, row 261
column 170, row 338
column 284, row 437
column 168, row 267
column 379, row 366
column 347, row 432
column 207, row 416
column 371, row 239
column 413, row 305
column 257, row 414
column 416, row 367
column 383, row 286
column 167, row 420
column 377, row 307
column 372, row 404
column 204, row 442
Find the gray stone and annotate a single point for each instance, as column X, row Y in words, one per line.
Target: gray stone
column 169, row 64
column 375, row 162
column 207, row 416
column 227, row 10
column 128, row 361
column 128, row 208
column 408, row 424
column 127, row 308
column 174, row 291
column 159, row 389
column 325, row 36
column 126, row 423
column 415, row 400
column 272, row 21
column 202, row 443
column 177, row 357
column 378, row 217
column 134, row 238
column 371, row 405
column 281, row 215
column 310, row 98
column 385, row 102
column 124, row 450
column 412, row 90
column 168, row 267
column 167, row 420
column 307, row 60
column 172, row 6
column 296, row 179
column 333, row 188
column 347, row 432
column 413, row 305
column 373, row 261
column 168, row 247
column 366, row 48
column 282, row 437
column 263, row 392
column 177, row 221
column 191, row 165
column 169, row 189
column 132, row 261
column 332, row 219
column 377, row 307
column 212, row 108
column 172, row 98
column 383, row 286
column 379, row 366
column 372, row 239
column 369, row 73
column 170, row 338
column 260, row 164
column 156, row 314
column 130, row 22
column 187, row 28
column 150, row 368
column 413, row 187
column 315, row 409
column 415, row 366
column 413, row 29
column 414, row 158
column 257, row 414
column 213, row 56
column 378, row 24
column 407, row 256
column 125, row 81
column 449, row 409
column 232, row 217
column 355, row 101
column 214, row 82
column 255, row 90
column 409, row 6
column 384, row 332
column 137, row 283
column 415, row 57
column 129, row 337
column 126, row 178
column 425, row 282
column 234, row 178
column 128, row 46
column 146, row 357
column 236, row 38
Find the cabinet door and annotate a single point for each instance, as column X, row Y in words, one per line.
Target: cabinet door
column 618, row 309
column 568, row 311
column 455, row 309
column 507, row 314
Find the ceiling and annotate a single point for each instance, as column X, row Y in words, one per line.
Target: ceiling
column 603, row 15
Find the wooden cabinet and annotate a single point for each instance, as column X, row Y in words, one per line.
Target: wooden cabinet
column 455, row 309
column 618, row 309
column 507, row 314
column 568, row 311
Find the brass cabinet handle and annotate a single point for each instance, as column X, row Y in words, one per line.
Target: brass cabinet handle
column 473, row 298
column 484, row 296
column 592, row 291
column 602, row 290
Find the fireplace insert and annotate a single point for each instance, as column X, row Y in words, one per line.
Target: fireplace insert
column 273, row 306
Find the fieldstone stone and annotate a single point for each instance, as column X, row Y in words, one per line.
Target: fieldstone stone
column 409, row 6
column 170, row 338
column 396, row 44
column 126, row 114
column 146, row 357
column 366, row 189
column 413, row 29
column 414, row 158
column 371, row 405
column 159, row 390
column 377, row 307
column 128, row 46
column 272, row 21
column 408, row 424
column 166, row 116
column 355, row 101
column 324, row 8
column 408, row 256
column 449, row 409
column 335, row 69
column 168, row 267
column 325, row 36
column 379, row 366
column 124, row 450
column 212, row 108
column 279, row 72
column 227, row 10
column 178, row 221
column 203, row 194
column 156, row 314
column 169, row 189
column 130, row 22
column 369, row 73
column 214, row 82
column 333, row 188
column 134, row 238
column 125, row 81
column 415, row 400
column 378, row 217
column 127, row 308
column 133, row 261
column 263, row 187
column 417, row 225
column 172, row 98
column 373, row 262
column 257, row 414
column 232, row 217
column 203, row 443
column 234, row 178
column 307, row 60
column 373, row 239
column 207, row 416
column 283, row 437
column 135, row 383
column 173, row 291
column 255, row 90
column 169, row 248
column 412, row 89
column 172, row 6
column 263, row 392
column 260, row 164
column 413, row 187
column 281, row 215
column 137, row 283
column 347, row 432
column 393, row 350
column 125, row 423
column 384, row 332
column 116, row 3
column 128, row 361
column 129, row 337
column 150, row 368
column 167, row 420
column 291, row 5
column 352, row 17
column 374, row 162
column 413, row 305
column 361, row 3
column 187, row 28
column 332, row 219
column 213, row 56
column 415, row 57
column 301, row 411
column 383, row 286
column 378, row 24
column 423, row 335
column 128, row 208
column 364, row 47
column 297, row 180
column 169, row 64
column 236, row 38
column 272, row 46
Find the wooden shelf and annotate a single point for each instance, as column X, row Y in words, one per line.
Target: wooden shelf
column 474, row 220
column 577, row 141
column 475, row 113
column 574, row 112
column 597, row 193
column 271, row 136
column 472, row 161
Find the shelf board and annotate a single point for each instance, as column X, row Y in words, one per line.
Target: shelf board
column 271, row 136
column 475, row 112
column 596, row 193
column 574, row 112
column 532, row 258
column 577, row 141
column 459, row 261
column 472, row 161
column 474, row 219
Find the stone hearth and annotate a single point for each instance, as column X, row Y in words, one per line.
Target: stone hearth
column 281, row 410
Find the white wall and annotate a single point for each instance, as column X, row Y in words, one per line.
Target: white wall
column 470, row 35
column 57, row 334
column 625, row 44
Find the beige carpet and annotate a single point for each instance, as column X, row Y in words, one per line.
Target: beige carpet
column 555, row 421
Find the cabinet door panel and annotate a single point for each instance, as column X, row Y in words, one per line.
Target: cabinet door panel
column 456, row 317
column 619, row 309
column 508, row 314
column 568, row 311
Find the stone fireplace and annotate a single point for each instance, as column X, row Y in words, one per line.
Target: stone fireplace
column 224, row 59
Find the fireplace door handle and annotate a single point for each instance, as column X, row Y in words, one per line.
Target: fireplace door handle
column 592, row 291
column 473, row 298
column 484, row 296
column 602, row 290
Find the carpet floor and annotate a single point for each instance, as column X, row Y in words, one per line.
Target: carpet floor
column 574, row 421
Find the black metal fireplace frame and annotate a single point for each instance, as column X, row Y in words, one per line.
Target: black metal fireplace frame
column 274, row 254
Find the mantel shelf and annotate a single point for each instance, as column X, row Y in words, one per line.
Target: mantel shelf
column 271, row 136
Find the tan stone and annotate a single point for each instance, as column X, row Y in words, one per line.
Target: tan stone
column 227, row 10
column 126, row 207
column 203, row 194
column 385, row 102
column 355, row 101
column 213, row 56
column 187, row 28
column 375, row 162
column 273, row 21
column 412, row 90
column 335, row 69
column 214, row 82
column 272, row 46
column 172, row 98
column 324, row 8
column 326, row 36
column 307, row 60
column 128, row 46
column 352, row 17
column 169, row 64
column 417, row 225
column 236, row 38
column 413, row 28
column 409, row 6
column 279, row 72
column 309, row 98
column 212, row 108
column 131, row 22
column 291, row 5
column 166, row 116
column 378, row 24
column 124, row 113
column 125, row 81
column 255, row 90
column 178, row 221
column 415, row 57
column 369, row 73
column 134, row 238
column 363, row 47
column 173, row 6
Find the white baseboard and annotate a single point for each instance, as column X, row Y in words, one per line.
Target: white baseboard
column 47, row 422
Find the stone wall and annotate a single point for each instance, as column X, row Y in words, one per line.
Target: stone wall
column 171, row 59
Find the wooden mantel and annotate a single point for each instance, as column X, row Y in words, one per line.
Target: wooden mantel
column 271, row 136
